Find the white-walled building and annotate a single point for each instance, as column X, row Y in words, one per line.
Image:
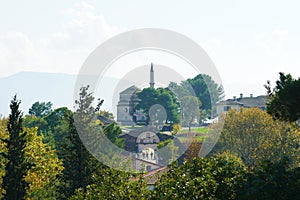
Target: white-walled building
column 241, row 102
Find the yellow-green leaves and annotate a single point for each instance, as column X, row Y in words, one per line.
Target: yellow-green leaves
column 46, row 165
column 255, row 136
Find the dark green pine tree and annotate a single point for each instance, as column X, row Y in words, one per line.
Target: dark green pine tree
column 76, row 161
column 79, row 164
column 16, row 167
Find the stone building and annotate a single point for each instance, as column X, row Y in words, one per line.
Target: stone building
column 125, row 105
column 128, row 99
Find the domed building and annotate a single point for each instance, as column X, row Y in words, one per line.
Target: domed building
column 128, row 99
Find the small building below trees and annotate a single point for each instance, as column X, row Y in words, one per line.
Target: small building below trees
column 143, row 143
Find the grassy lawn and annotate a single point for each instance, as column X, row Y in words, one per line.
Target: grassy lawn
column 203, row 130
column 199, row 134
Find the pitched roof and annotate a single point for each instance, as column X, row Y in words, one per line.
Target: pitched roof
column 259, row 101
column 105, row 120
column 230, row 102
column 153, row 175
column 146, row 161
column 132, row 89
column 136, row 132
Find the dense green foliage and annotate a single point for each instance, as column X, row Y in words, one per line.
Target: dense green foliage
column 272, row 180
column 284, row 98
column 13, row 181
column 42, row 156
column 218, row 177
column 40, row 109
column 113, row 185
column 204, row 88
column 207, row 90
column 79, row 164
column 164, row 97
column 112, row 131
column 40, row 168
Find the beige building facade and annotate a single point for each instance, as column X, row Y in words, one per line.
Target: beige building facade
column 241, row 102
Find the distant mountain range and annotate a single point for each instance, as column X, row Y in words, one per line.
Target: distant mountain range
column 57, row 88
column 34, row 86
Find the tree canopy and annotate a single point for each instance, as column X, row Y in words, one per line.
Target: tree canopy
column 40, row 109
column 113, row 184
column 204, row 88
column 79, row 164
column 190, row 108
column 284, row 98
column 217, row 177
column 16, row 167
column 272, row 180
column 207, row 90
column 43, row 156
column 149, row 97
column 255, row 136
column 42, row 177
column 37, row 166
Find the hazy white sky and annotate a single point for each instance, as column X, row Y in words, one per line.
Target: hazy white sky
column 249, row 41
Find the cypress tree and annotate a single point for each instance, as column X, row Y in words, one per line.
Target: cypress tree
column 16, row 167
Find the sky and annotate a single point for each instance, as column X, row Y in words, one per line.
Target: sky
column 248, row 41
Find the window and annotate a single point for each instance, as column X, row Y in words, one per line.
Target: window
column 226, row 108
column 148, row 168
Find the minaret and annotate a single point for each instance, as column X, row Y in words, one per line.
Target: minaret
column 151, row 76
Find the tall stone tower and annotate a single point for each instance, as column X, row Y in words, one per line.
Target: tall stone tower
column 152, row 76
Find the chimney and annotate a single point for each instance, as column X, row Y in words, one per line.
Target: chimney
column 251, row 95
column 241, row 96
